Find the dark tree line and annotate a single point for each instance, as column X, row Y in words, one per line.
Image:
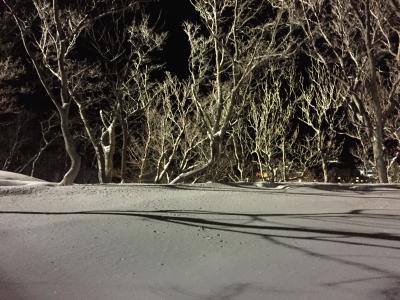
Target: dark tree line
column 275, row 89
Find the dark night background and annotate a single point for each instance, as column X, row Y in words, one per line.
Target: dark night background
column 34, row 101
column 24, row 93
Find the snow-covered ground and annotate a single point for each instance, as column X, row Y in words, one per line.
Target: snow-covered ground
column 203, row 241
column 14, row 179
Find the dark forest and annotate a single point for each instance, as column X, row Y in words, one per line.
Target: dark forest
column 124, row 91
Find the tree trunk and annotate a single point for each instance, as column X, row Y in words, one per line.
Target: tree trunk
column 271, row 172
column 95, row 142
column 377, row 142
column 283, row 159
column 100, row 164
column 146, row 147
column 70, row 148
column 380, row 163
column 214, row 155
column 325, row 169
column 108, row 164
column 108, row 146
column 124, row 148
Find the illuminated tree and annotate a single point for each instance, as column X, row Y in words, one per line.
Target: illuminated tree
column 358, row 41
column 235, row 39
column 51, row 48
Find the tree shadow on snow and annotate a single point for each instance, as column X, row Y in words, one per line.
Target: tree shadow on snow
column 291, row 231
column 342, row 190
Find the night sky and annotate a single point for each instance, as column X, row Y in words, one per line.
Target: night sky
column 165, row 18
column 170, row 18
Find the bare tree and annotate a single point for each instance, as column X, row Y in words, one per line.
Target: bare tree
column 359, row 41
column 270, row 120
column 170, row 139
column 357, row 130
column 135, row 88
column 52, row 46
column 125, row 87
column 322, row 111
column 242, row 149
column 176, row 108
column 50, row 49
column 392, row 131
column 235, row 39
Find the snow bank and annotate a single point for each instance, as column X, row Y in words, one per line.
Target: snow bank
column 200, row 241
column 9, row 179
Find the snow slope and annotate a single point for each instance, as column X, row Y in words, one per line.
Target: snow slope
column 204, row 241
column 15, row 179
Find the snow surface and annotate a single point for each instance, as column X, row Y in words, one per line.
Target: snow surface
column 15, row 179
column 203, row 241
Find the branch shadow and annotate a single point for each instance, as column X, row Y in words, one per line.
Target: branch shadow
column 171, row 216
column 279, row 233
column 345, row 190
